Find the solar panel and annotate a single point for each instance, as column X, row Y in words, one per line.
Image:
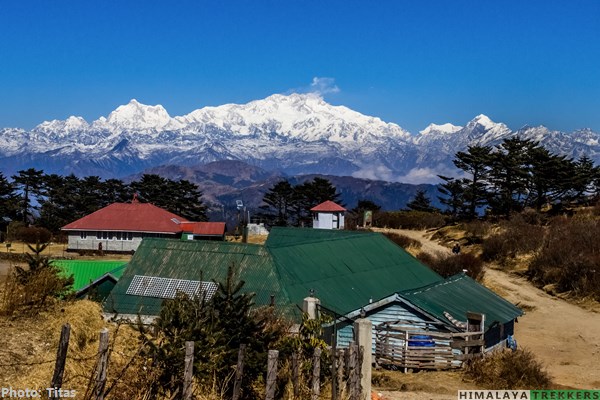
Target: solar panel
column 166, row 288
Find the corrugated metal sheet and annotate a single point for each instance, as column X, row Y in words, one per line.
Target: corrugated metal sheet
column 345, row 269
column 460, row 294
column 196, row 260
column 389, row 313
column 86, row 272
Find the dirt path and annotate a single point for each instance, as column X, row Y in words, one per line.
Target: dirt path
column 429, row 246
column 563, row 336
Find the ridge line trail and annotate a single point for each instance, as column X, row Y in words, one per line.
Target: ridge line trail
column 563, row 336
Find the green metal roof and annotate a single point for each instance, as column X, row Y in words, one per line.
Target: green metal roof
column 86, row 272
column 196, row 260
column 458, row 295
column 346, row 269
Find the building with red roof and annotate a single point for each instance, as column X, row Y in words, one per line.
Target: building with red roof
column 203, row 230
column 120, row 227
column 328, row 215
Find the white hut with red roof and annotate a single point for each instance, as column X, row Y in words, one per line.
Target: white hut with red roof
column 328, row 215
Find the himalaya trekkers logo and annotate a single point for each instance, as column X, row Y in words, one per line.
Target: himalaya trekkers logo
column 528, row 395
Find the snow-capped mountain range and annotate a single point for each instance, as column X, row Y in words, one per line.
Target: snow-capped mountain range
column 297, row 133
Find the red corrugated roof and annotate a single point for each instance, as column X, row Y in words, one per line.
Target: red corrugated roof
column 204, row 228
column 328, row 206
column 130, row 217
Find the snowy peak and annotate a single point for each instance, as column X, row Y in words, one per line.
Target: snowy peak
column 482, row 120
column 137, row 116
column 71, row 124
column 300, row 116
column 447, row 128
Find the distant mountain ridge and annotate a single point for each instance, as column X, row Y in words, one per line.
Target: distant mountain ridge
column 294, row 134
column 224, row 182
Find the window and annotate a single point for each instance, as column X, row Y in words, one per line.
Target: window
column 98, row 235
column 104, row 235
column 118, row 235
column 83, row 235
column 129, row 235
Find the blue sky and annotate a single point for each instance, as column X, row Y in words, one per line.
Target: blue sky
column 409, row 62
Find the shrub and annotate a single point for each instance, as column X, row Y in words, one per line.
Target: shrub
column 508, row 370
column 402, row 240
column 35, row 287
column 570, row 258
column 516, row 236
column 411, row 220
column 476, row 231
column 452, row 264
column 32, row 234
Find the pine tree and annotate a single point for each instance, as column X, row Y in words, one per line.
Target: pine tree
column 453, row 195
column 217, row 326
column 8, row 203
column 420, row 202
column 476, row 162
column 509, row 174
column 280, row 199
column 312, row 193
column 31, row 183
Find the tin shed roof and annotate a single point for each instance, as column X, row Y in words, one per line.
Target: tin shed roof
column 130, row 217
column 204, row 228
column 345, row 269
column 195, row 260
column 458, row 295
column 85, row 272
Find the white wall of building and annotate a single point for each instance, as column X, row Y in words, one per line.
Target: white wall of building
column 90, row 241
column 325, row 220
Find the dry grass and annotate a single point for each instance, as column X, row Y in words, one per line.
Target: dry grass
column 28, row 346
column 442, row 382
column 509, row 370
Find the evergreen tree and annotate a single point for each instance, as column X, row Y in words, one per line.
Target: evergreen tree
column 31, row 183
column 8, row 203
column 217, row 326
column 187, row 201
column 179, row 197
column 585, row 173
column 310, row 194
column 453, row 195
column 509, row 174
column 280, row 199
column 550, row 178
column 476, row 162
column 421, row 202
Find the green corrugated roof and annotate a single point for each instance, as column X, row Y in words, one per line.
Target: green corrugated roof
column 458, row 295
column 85, row 272
column 195, row 260
column 345, row 269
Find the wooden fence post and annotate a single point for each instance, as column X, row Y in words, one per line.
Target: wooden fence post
column 334, row 385
column 188, row 370
column 102, row 365
column 340, row 373
column 352, row 371
column 271, row 374
column 296, row 374
column 316, row 382
column 239, row 372
column 61, row 358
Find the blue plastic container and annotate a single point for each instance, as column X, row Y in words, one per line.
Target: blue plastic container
column 421, row 341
